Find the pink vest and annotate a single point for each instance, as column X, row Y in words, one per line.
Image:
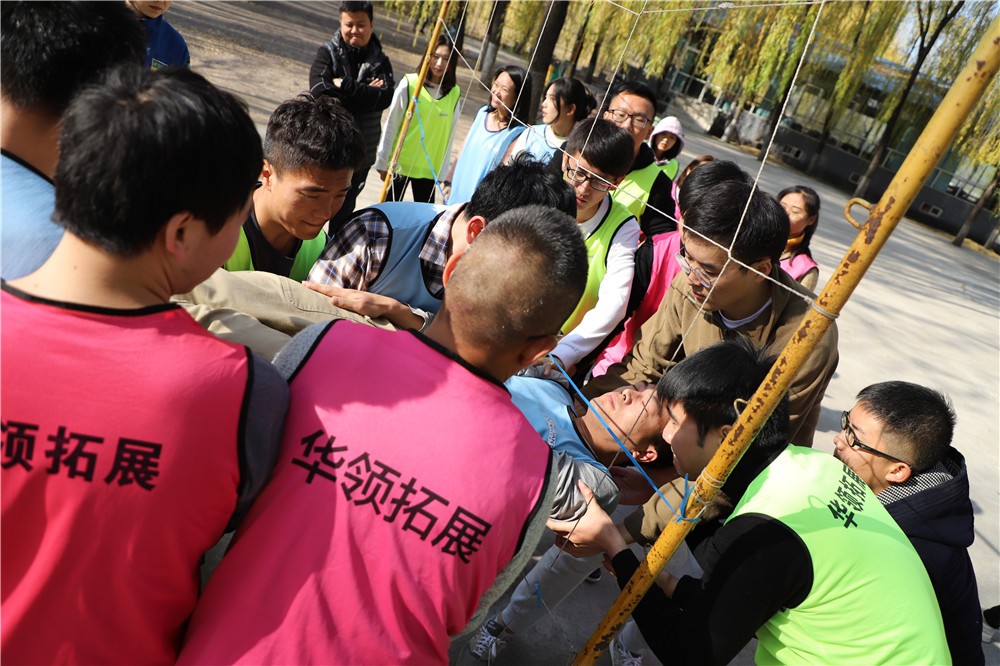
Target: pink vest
column 663, row 271
column 119, row 471
column 798, row 265
column 404, row 485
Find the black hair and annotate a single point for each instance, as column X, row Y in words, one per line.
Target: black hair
column 712, row 201
column 51, row 50
column 919, row 421
column 692, row 165
column 449, row 78
column 522, row 94
column 143, row 146
column 522, row 182
column 353, row 6
column 520, row 278
column 571, row 91
column 628, row 87
column 605, row 145
column 313, row 132
column 709, row 383
column 811, row 199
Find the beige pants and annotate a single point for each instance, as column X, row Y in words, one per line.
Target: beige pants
column 261, row 310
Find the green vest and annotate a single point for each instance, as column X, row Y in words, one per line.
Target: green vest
column 871, row 600
column 670, row 168
column 427, row 136
column 633, row 192
column 307, row 255
column 598, row 244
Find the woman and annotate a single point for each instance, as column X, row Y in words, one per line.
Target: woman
column 426, row 148
column 667, row 142
column 567, row 101
column 494, row 128
column 802, row 205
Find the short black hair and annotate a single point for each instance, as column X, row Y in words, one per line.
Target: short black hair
column 352, row 6
column 709, row 383
column 811, row 199
column 143, row 146
column 629, row 87
column 919, row 421
column 522, row 94
column 520, row 278
column 712, row 202
column 568, row 90
column 50, row 50
column 313, row 132
column 605, row 145
column 525, row 181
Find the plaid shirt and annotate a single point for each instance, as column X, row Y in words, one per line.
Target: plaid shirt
column 355, row 255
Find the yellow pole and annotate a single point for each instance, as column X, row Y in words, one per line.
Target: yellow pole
column 398, row 146
column 921, row 160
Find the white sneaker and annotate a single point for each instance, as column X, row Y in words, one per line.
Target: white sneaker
column 490, row 640
column 621, row 656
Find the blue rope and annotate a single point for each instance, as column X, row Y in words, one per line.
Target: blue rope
column 423, row 144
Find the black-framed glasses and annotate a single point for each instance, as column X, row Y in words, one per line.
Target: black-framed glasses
column 580, row 176
column 852, row 440
column 706, row 280
column 638, row 120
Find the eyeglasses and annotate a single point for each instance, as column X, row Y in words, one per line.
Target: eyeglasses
column 852, row 440
column 639, row 121
column 704, row 279
column 580, row 176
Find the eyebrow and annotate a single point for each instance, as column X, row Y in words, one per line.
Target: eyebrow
column 313, row 188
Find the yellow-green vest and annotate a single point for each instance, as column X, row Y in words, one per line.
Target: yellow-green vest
column 598, row 244
column 871, row 600
column 670, row 168
column 427, row 136
column 633, row 192
column 307, row 255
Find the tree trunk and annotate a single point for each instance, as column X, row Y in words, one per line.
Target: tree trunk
column 545, row 46
column 773, row 124
column 574, row 58
column 491, row 42
column 967, row 225
column 460, row 37
column 991, row 241
column 593, row 62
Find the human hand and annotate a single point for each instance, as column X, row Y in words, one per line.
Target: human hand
column 336, row 82
column 361, row 302
column 594, row 529
column 377, row 83
column 382, row 173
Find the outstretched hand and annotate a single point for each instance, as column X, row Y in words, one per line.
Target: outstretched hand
column 593, row 533
column 362, row 302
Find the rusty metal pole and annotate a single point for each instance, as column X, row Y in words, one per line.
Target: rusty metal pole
column 398, row 146
column 933, row 142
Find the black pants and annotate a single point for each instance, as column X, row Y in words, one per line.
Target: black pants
column 423, row 189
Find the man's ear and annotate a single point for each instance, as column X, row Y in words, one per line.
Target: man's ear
column 179, row 234
column 475, row 227
column 266, row 175
column 899, row 472
column 534, row 349
column 647, row 455
column 449, row 268
column 764, row 266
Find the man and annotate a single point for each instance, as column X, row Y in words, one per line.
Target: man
column 311, row 148
column 352, row 68
column 49, row 50
column 131, row 436
column 809, row 561
column 646, row 190
column 897, row 438
column 717, row 297
column 165, row 47
column 395, row 503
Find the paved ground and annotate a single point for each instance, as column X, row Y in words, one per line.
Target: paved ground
column 926, row 312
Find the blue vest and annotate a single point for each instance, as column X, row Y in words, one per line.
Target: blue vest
column 535, row 143
column 481, row 153
column 401, row 278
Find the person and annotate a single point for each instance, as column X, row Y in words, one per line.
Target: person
column 388, row 259
column 646, row 190
column 426, row 153
column 802, row 205
column 667, row 142
column 897, row 438
column 165, row 47
column 656, row 266
column 352, row 68
column 715, row 298
column 676, row 189
column 396, row 548
column 635, row 419
column 991, row 620
column 311, row 148
column 843, row 560
column 132, row 437
column 50, row 52
column 567, row 102
column 494, row 128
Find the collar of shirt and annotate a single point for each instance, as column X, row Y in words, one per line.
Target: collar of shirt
column 590, row 226
column 434, row 253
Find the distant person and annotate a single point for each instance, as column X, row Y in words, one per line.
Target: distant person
column 352, row 69
column 311, row 148
column 49, row 51
column 679, row 180
column 368, row 546
column 667, row 142
column 567, row 102
column 802, row 205
column 495, row 127
column 164, row 45
column 132, row 437
column 425, row 157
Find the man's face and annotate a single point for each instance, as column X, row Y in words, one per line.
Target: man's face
column 356, row 28
column 588, row 199
column 633, row 411
column 639, row 112
column 732, row 283
column 867, row 429
column 691, row 456
column 302, row 201
column 151, row 8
